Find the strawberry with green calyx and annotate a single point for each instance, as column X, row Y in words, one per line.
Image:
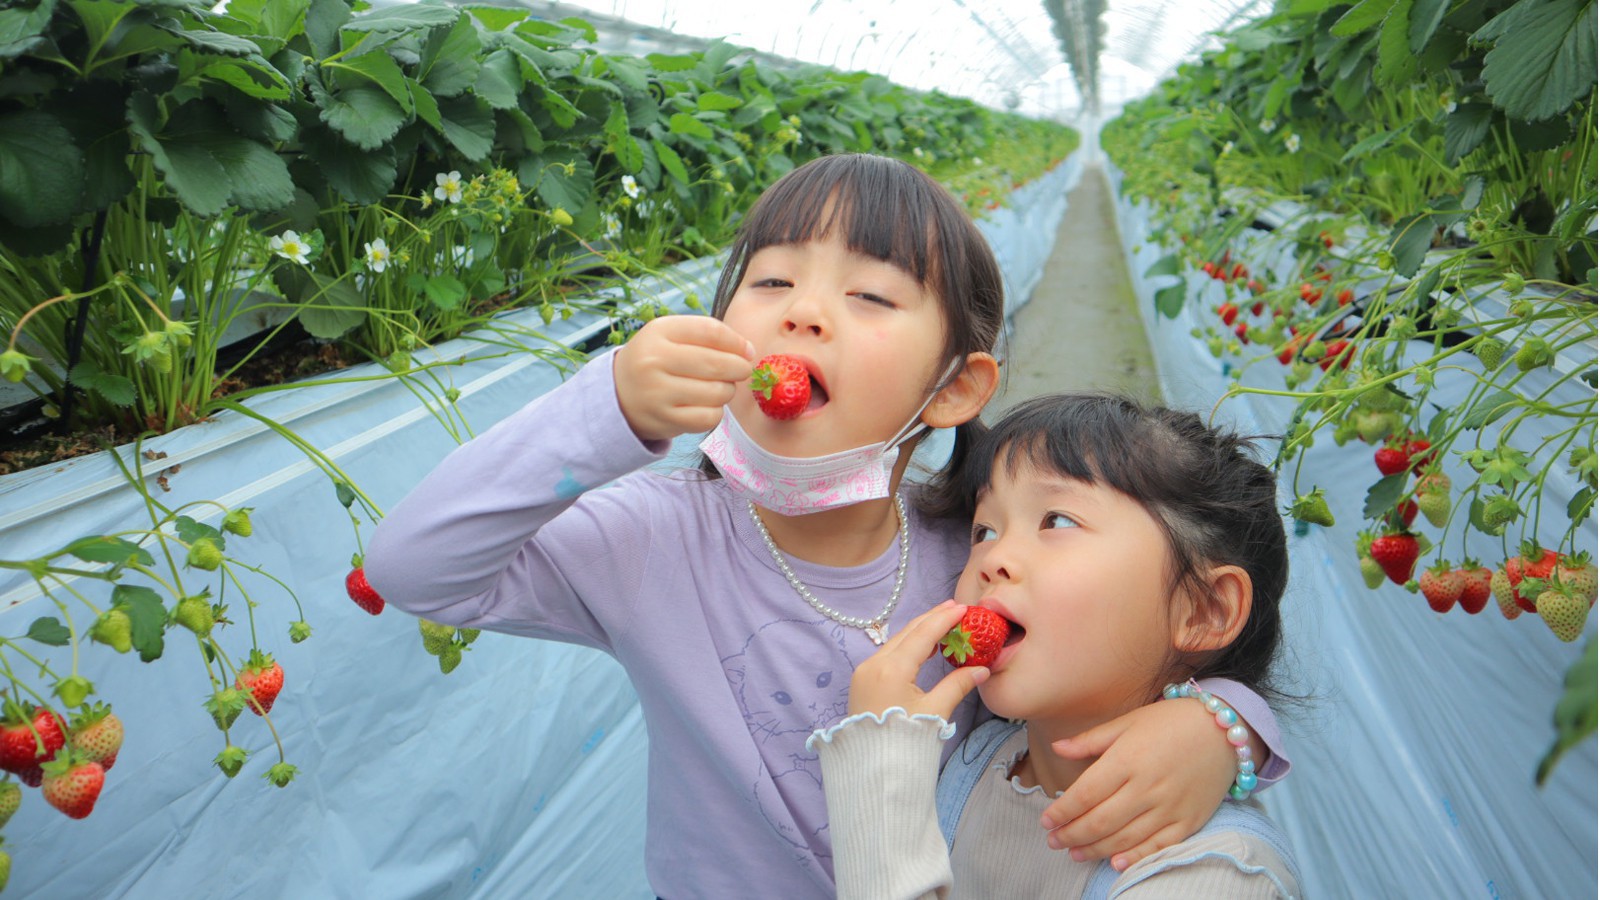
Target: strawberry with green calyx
column 1416, row 450
column 1535, row 353
column 73, row 690
column 356, row 585
column 1391, row 460
column 10, row 800
column 468, row 635
column 1228, row 312
column 1405, row 512
column 205, row 554
column 1312, row 508
column 1505, row 593
column 5, row 868
column 28, row 737
column 1396, row 553
column 435, row 637
column 449, row 658
column 1371, row 572
column 281, row 774
column 225, row 706
column 781, row 385
column 14, row 366
column 97, row 734
column 1534, row 562
column 114, row 629
column 1577, row 573
column 231, row 760
column 977, row 639
column 299, row 631
column 1475, row 589
column 1560, row 608
column 1433, row 498
column 195, row 613
column 1490, row 351
column 262, row 679
column 1442, row 585
column 72, row 784
column 237, row 521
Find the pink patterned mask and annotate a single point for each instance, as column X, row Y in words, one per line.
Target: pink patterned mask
column 793, row 486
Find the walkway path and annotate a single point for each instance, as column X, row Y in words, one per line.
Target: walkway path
column 1081, row 330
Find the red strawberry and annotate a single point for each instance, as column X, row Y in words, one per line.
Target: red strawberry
column 1258, row 307
column 72, row 784
column 20, row 749
column 1327, row 240
column 1527, row 566
column 977, row 638
column 262, row 679
column 1442, row 586
column 1407, row 512
column 781, row 385
column 355, row 584
column 1475, row 591
column 1345, row 297
column 1396, row 553
column 1239, row 331
column 1338, row 351
column 1391, row 460
column 1416, row 451
column 97, row 734
column 1208, row 267
column 1228, row 312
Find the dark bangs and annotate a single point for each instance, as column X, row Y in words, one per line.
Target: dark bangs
column 881, row 207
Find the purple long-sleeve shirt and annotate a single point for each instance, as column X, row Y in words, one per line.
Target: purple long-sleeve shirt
column 544, row 527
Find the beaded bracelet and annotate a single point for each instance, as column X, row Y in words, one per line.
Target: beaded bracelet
column 1238, row 735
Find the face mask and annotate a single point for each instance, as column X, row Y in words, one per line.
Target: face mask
column 793, row 486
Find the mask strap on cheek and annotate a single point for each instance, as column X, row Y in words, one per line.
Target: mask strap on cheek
column 911, row 428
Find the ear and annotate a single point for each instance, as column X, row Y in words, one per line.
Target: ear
column 964, row 397
column 1216, row 617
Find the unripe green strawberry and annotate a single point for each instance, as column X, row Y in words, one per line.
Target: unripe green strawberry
column 205, row 554
column 10, row 800
column 1498, row 512
column 1435, row 506
column 97, row 734
column 435, row 637
column 14, row 366
column 1371, row 572
column 468, row 635
column 195, row 614
column 299, row 631
column 231, row 760
column 449, row 658
column 1504, row 594
column 1312, row 508
column 1577, row 573
column 1490, row 351
column 5, row 869
column 225, row 706
column 1563, row 611
column 237, row 521
column 114, row 629
column 1535, row 353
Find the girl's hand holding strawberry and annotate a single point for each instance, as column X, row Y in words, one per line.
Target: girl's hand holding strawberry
column 1140, row 793
column 888, row 678
column 677, row 373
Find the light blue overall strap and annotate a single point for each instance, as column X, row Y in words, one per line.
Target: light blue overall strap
column 966, row 765
column 1242, row 818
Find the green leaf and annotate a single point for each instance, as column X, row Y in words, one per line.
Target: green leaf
column 378, row 69
column 1384, row 495
column 114, row 389
column 329, row 307
column 499, row 79
column 1169, row 301
column 49, row 631
column 1490, row 408
column 1543, row 58
column 449, row 64
column 1425, row 18
column 547, row 173
column 468, row 124
column 1362, row 16
column 1579, row 506
column 426, row 106
column 253, row 77
column 683, row 123
column 1166, row 265
column 445, row 292
column 205, row 162
column 1465, row 129
column 1397, row 64
column 189, row 531
column 1409, row 242
column 665, row 63
column 403, row 17
column 366, row 117
column 1373, row 142
column 359, row 176
column 148, row 616
column 1576, row 713
column 41, row 169
column 22, row 27
column 211, row 41
column 715, row 102
column 106, row 549
column 671, row 161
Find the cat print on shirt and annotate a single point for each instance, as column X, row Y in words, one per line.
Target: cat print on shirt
column 782, row 705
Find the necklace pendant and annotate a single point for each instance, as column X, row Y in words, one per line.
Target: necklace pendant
column 877, row 634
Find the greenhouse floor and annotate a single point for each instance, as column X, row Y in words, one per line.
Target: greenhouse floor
column 1081, row 329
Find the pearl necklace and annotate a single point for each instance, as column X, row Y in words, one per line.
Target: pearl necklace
column 874, row 627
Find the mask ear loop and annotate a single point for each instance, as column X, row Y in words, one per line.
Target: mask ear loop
column 913, row 427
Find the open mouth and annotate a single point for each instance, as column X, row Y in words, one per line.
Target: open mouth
column 1016, row 634
column 819, row 395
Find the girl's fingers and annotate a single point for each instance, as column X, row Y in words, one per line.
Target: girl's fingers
column 947, row 694
column 921, row 635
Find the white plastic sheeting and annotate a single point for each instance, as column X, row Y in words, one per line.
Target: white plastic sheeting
column 522, row 774
column 1414, row 759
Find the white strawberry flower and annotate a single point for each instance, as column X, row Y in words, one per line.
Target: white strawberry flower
column 630, row 187
column 1268, row 126
column 1292, row 142
column 917, row 152
column 613, row 225
column 290, row 246
column 378, row 255
column 1227, row 148
column 449, row 187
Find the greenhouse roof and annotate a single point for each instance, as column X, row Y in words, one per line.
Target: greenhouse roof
column 1049, row 58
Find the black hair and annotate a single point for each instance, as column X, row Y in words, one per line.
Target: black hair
column 891, row 211
column 1216, row 504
